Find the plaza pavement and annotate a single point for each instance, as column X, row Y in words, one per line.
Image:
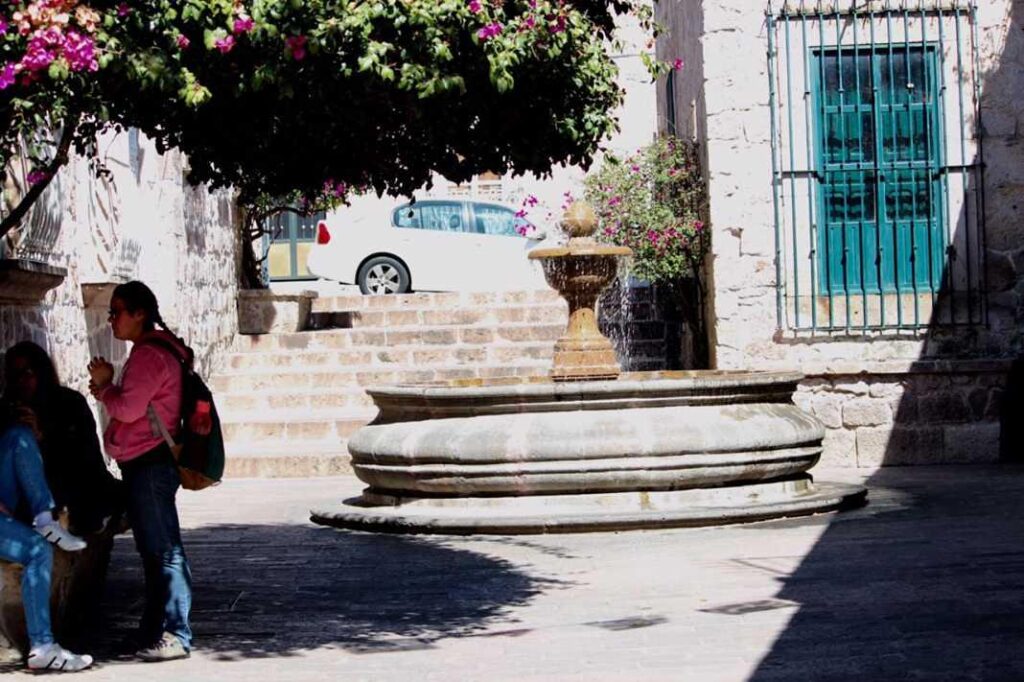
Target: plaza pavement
column 925, row 583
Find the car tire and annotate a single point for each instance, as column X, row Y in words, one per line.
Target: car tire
column 383, row 275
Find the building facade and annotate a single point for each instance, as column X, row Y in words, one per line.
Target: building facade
column 89, row 232
column 865, row 181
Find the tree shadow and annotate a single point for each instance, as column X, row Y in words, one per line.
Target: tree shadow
column 273, row 590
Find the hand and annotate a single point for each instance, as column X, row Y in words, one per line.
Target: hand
column 101, row 373
column 26, row 416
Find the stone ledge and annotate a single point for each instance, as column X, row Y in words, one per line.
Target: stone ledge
column 846, row 368
column 25, row 282
column 262, row 311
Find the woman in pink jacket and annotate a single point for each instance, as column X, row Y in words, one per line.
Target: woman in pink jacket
column 150, row 388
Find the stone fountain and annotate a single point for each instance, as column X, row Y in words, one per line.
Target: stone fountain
column 587, row 448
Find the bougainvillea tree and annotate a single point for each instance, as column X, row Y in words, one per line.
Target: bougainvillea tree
column 282, row 98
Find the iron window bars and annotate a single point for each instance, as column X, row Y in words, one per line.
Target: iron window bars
column 877, row 165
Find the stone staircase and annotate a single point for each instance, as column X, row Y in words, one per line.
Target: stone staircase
column 289, row 401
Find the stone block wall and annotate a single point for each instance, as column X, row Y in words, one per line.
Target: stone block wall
column 881, row 407
column 143, row 222
column 930, row 413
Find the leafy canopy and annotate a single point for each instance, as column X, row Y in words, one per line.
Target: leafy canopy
column 314, row 97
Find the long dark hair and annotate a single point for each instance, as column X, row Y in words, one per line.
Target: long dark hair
column 38, row 361
column 136, row 297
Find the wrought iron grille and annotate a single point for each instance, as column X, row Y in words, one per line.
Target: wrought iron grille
column 877, row 165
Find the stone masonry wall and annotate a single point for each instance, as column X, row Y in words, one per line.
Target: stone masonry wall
column 869, row 389
column 142, row 222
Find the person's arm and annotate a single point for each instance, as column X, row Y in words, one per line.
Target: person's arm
column 143, row 374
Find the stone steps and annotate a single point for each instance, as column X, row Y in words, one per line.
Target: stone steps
column 419, row 336
column 289, row 401
column 299, row 378
column 386, row 358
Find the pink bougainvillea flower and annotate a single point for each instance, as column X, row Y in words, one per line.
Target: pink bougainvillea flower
column 530, row 200
column 490, row 30
column 635, row 168
column 677, row 64
column 183, row 42
column 7, row 76
column 296, row 46
column 80, row 52
column 558, row 25
column 475, row 6
column 225, row 44
column 37, row 176
column 614, row 201
column 243, row 24
column 123, row 9
column 698, row 225
column 3, row 27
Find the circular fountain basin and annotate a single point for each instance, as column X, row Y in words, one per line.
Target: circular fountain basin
column 528, row 455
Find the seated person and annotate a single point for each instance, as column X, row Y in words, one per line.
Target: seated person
column 22, row 480
column 76, row 470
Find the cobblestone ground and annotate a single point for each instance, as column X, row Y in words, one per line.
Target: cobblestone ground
column 927, row 582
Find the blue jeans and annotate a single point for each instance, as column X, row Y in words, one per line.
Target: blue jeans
column 152, row 483
column 21, row 476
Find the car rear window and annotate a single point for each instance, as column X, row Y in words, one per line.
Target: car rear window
column 445, row 216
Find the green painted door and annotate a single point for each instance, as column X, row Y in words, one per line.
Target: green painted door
column 879, row 168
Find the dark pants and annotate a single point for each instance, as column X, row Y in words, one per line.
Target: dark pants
column 152, row 483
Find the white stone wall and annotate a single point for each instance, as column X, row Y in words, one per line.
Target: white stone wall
column 142, row 222
column 743, row 272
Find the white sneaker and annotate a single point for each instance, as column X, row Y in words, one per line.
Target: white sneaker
column 54, row 657
column 56, row 535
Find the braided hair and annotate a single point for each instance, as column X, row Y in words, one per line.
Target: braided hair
column 136, row 297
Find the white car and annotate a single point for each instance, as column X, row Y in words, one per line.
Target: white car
column 431, row 245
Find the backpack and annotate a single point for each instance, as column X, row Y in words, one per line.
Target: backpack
column 200, row 450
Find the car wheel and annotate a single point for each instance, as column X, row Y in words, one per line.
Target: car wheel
column 383, row 275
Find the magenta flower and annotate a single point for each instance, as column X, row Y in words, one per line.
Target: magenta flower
column 242, row 25
column 225, row 44
column 530, row 200
column 698, row 225
column 123, row 10
column 37, row 176
column 635, row 168
column 297, row 46
column 7, row 76
column 475, row 6
column 80, row 52
column 490, row 30
column 652, row 236
column 677, row 64
column 559, row 24
column 183, row 42
column 39, row 52
column 3, row 27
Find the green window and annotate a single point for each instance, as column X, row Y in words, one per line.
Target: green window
column 878, row 147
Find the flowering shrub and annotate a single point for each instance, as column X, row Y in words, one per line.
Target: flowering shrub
column 654, row 203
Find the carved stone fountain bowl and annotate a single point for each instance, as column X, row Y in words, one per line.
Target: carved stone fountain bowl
column 532, row 436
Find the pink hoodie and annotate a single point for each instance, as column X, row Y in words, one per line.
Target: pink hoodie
column 151, row 375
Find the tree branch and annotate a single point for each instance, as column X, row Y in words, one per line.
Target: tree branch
column 60, row 158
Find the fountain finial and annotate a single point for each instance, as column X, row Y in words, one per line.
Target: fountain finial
column 579, row 220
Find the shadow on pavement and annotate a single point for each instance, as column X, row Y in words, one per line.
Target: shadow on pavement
column 926, row 584
column 272, row 590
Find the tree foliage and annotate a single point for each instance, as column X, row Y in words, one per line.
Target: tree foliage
column 310, row 98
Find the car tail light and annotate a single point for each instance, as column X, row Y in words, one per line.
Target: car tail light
column 323, row 235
